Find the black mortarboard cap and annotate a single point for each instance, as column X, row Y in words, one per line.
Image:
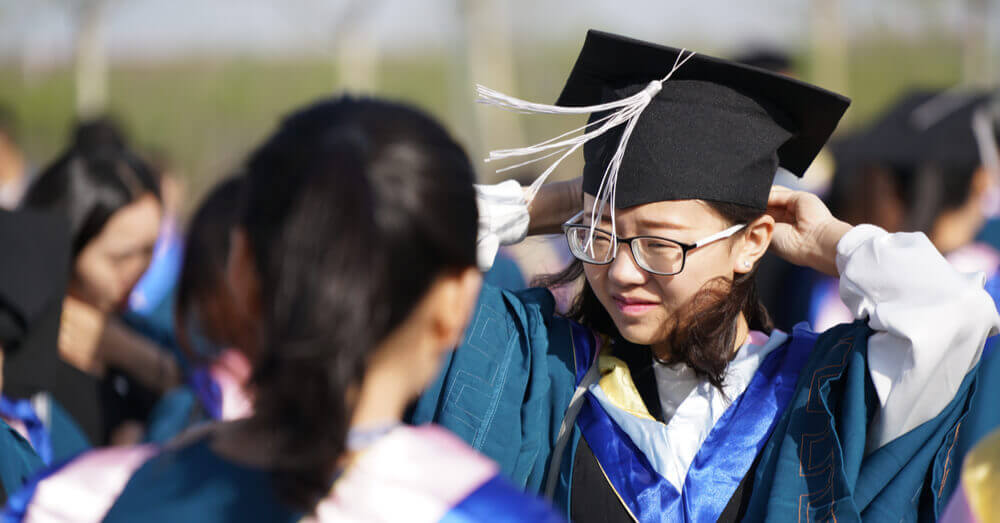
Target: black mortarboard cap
column 718, row 130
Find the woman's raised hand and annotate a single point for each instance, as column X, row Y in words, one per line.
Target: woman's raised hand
column 805, row 232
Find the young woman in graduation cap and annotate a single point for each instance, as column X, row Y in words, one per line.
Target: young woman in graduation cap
column 664, row 394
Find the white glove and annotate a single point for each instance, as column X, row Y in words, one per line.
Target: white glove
column 503, row 219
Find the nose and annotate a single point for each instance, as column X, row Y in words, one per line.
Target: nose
column 624, row 271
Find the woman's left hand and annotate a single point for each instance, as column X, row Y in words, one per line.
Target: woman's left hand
column 805, row 232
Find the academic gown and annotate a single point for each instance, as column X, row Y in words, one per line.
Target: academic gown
column 50, row 430
column 983, row 415
column 416, row 474
column 18, row 460
column 818, row 426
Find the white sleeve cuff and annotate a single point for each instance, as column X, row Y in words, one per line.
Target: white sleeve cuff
column 930, row 323
column 503, row 219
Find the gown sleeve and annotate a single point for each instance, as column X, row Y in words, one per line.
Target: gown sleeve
column 505, row 389
column 930, row 323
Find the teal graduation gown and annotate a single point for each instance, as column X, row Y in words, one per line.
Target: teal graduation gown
column 507, row 388
column 18, row 460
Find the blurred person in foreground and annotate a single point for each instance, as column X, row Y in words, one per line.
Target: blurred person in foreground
column 215, row 377
column 665, row 394
column 355, row 256
column 14, row 172
column 35, row 430
column 109, row 376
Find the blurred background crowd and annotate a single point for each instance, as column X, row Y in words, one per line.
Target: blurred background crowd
column 177, row 91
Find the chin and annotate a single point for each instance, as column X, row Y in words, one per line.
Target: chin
column 640, row 333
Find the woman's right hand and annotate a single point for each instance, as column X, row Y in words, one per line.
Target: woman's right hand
column 554, row 204
column 506, row 217
column 805, row 232
column 80, row 331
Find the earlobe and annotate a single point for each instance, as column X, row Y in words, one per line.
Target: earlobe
column 756, row 240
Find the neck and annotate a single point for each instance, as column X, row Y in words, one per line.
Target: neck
column 742, row 334
column 383, row 399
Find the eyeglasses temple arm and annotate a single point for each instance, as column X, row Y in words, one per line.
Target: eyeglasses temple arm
column 576, row 217
column 720, row 235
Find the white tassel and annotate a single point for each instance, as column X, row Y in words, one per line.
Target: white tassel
column 625, row 111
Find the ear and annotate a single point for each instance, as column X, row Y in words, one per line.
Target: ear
column 754, row 241
column 452, row 298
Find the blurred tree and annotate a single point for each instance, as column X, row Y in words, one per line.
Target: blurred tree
column 90, row 61
column 489, row 60
column 355, row 47
column 977, row 60
column 829, row 45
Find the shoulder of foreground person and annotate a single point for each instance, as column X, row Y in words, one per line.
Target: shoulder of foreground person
column 430, row 475
column 81, row 489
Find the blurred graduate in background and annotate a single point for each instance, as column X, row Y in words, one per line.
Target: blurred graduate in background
column 34, row 268
column 109, row 376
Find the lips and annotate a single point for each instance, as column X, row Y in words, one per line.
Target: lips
column 633, row 306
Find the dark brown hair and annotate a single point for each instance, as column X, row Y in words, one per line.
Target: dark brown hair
column 703, row 333
column 353, row 207
column 92, row 180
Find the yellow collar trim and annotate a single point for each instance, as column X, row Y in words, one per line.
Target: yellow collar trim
column 616, row 382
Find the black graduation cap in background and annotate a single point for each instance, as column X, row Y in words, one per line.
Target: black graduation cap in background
column 766, row 58
column 922, row 128
column 717, row 130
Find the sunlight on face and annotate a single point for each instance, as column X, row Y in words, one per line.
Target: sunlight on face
column 110, row 264
column 640, row 303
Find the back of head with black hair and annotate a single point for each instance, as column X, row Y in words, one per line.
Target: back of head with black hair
column 202, row 278
column 353, row 208
column 94, row 177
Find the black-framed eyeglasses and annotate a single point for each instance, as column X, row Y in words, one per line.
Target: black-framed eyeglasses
column 661, row 256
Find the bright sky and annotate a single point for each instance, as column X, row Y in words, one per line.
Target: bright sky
column 42, row 29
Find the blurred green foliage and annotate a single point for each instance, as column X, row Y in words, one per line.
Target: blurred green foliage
column 205, row 114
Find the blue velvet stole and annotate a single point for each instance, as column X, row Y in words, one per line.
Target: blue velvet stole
column 207, row 391
column 585, row 348
column 498, row 501
column 38, row 434
column 725, row 456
